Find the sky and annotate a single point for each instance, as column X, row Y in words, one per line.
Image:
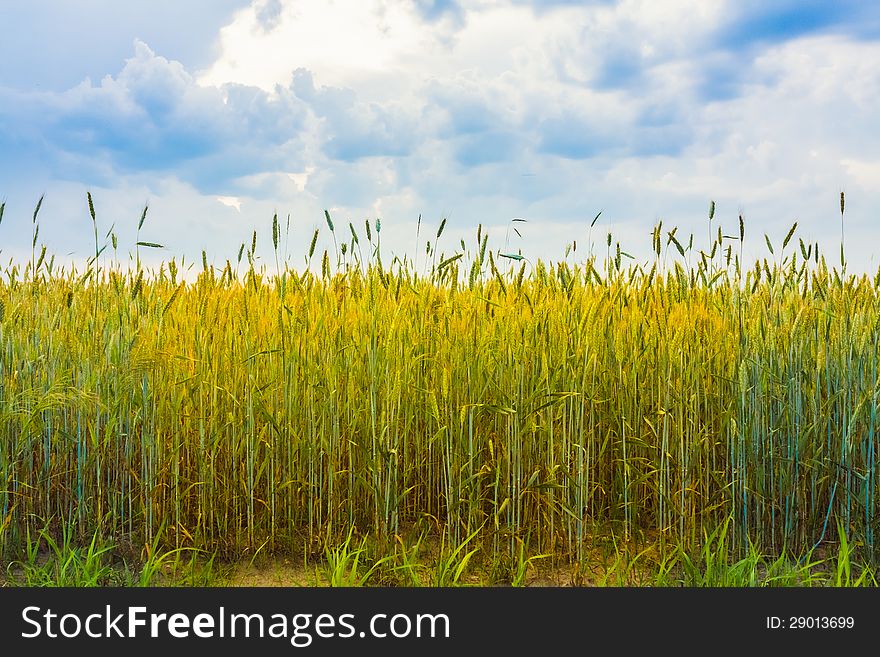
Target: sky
column 218, row 114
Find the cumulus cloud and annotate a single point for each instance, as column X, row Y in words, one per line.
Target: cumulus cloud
column 482, row 111
column 152, row 116
column 353, row 129
column 55, row 44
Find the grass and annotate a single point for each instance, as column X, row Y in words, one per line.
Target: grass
column 357, row 563
column 503, row 408
column 64, row 564
column 101, row 562
column 343, row 564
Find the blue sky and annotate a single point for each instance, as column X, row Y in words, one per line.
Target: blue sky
column 219, row 113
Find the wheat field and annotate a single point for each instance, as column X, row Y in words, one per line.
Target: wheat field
column 489, row 397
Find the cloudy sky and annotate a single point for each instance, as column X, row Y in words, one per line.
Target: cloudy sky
column 219, row 113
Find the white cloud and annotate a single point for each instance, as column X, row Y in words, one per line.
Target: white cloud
column 230, row 202
column 339, row 41
column 866, row 174
column 301, row 179
column 51, row 45
column 152, row 116
column 480, row 111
